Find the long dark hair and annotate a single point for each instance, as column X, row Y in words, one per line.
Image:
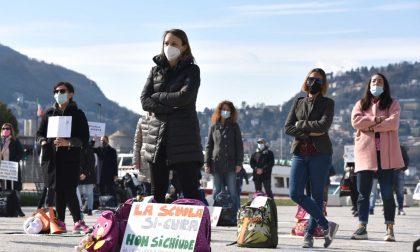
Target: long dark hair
column 216, row 117
column 68, row 86
column 187, row 54
column 385, row 99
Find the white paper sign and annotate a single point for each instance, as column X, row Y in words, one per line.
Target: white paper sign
column 258, row 202
column 214, row 215
column 162, row 227
column 348, row 153
column 59, row 126
column 9, row 170
column 96, row 129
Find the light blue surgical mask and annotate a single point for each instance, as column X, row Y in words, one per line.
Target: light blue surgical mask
column 376, row 90
column 60, row 98
column 225, row 114
column 261, row 146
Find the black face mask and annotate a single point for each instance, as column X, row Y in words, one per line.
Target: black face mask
column 314, row 85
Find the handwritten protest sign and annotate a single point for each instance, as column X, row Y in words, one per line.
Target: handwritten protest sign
column 162, row 227
column 348, row 153
column 59, row 126
column 96, row 129
column 9, row 170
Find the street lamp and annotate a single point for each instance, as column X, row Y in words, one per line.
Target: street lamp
column 100, row 110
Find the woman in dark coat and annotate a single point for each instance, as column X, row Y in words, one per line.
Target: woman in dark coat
column 224, row 150
column 61, row 156
column 11, row 150
column 173, row 136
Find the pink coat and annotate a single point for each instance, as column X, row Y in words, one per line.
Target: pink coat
column 364, row 144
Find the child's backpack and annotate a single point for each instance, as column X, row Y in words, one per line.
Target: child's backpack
column 302, row 221
column 202, row 243
column 228, row 214
column 105, row 234
column 257, row 227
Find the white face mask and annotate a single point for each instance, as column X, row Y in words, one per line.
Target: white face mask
column 171, row 52
column 261, row 146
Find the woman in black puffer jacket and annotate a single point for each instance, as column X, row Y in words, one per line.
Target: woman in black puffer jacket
column 173, row 136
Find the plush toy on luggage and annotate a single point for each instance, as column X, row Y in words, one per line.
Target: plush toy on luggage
column 105, row 235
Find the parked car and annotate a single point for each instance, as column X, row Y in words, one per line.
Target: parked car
column 125, row 164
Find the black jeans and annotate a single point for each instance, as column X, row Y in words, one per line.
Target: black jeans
column 67, row 197
column 47, row 197
column 187, row 174
column 267, row 186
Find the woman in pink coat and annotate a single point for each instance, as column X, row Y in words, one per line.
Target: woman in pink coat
column 376, row 118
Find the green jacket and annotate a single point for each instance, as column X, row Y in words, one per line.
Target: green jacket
column 311, row 115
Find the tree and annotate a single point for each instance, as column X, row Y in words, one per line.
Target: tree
column 6, row 116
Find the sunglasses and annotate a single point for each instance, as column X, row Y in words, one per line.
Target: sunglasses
column 313, row 80
column 5, row 128
column 61, row 91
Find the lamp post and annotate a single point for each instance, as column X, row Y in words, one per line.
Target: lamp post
column 100, row 110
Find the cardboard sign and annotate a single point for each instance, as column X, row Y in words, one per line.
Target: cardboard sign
column 162, row 227
column 214, row 214
column 9, row 170
column 348, row 153
column 96, row 129
column 59, row 126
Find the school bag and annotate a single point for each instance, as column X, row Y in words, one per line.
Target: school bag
column 257, row 226
column 228, row 214
column 302, row 221
column 202, row 243
column 8, row 203
column 107, row 202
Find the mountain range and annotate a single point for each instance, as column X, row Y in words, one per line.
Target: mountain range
column 32, row 80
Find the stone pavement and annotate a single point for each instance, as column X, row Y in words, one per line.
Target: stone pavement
column 407, row 229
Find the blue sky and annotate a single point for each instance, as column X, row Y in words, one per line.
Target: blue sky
column 253, row 51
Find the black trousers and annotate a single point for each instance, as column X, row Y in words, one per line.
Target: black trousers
column 187, row 175
column 267, row 186
column 67, row 197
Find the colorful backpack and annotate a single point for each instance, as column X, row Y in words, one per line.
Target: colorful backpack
column 105, row 234
column 302, row 221
column 257, row 227
column 202, row 243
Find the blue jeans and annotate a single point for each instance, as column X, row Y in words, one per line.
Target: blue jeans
column 315, row 170
column 399, row 187
column 219, row 180
column 88, row 191
column 364, row 186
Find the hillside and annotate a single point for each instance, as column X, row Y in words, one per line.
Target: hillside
column 29, row 79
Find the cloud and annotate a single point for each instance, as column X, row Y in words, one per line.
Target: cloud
column 400, row 6
column 290, row 9
column 37, row 28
